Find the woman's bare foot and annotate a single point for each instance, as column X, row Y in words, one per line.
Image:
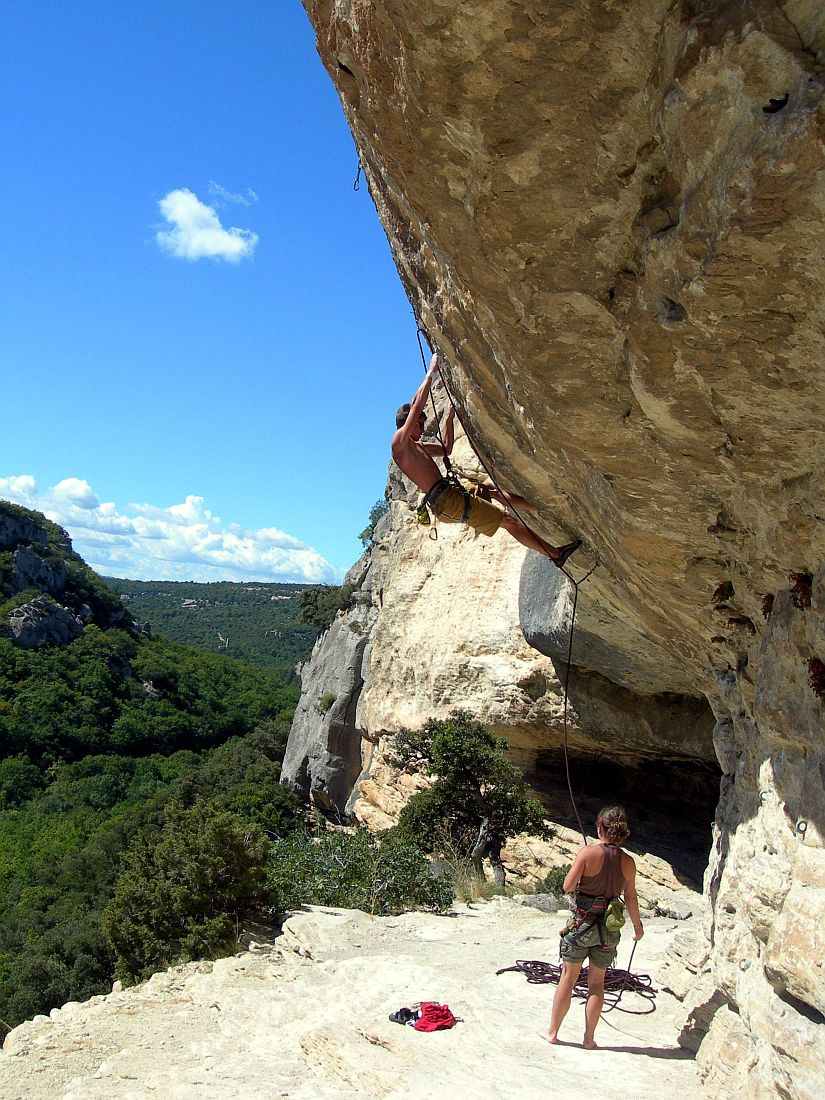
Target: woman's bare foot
column 547, row 1036
column 588, row 1044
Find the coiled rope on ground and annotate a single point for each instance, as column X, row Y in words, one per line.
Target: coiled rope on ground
column 617, row 982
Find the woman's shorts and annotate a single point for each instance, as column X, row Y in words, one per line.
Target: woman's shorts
column 484, row 517
column 586, row 943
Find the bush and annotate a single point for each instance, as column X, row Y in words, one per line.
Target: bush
column 181, row 894
column 325, row 701
column 355, row 871
column 320, row 604
column 553, row 881
column 477, row 798
column 378, row 510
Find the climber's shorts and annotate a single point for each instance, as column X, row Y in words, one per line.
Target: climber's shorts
column 483, row 516
column 586, row 944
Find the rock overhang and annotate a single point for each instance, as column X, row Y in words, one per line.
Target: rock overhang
column 614, row 236
column 609, row 218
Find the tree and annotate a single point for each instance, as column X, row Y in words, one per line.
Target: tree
column 477, row 798
column 19, row 780
column 321, row 603
column 181, row 894
column 378, row 510
column 379, row 874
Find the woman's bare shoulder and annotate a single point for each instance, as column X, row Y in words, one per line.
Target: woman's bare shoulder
column 593, row 857
column 628, row 862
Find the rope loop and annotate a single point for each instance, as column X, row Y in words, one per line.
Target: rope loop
column 616, row 982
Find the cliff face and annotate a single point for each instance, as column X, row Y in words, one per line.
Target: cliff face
column 609, row 217
column 47, row 592
column 433, row 625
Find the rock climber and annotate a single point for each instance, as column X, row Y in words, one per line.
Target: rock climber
column 447, row 500
column 600, row 872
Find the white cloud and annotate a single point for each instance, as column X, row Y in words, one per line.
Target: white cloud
column 222, row 197
column 197, row 232
column 74, row 491
column 183, row 542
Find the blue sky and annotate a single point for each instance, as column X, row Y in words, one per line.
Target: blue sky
column 203, row 337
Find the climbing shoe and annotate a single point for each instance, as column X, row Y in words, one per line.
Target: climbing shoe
column 566, row 552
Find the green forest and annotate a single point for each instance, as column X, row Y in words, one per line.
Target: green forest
column 252, row 621
column 142, row 820
column 97, row 739
column 104, row 740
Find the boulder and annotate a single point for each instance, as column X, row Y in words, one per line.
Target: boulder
column 42, row 622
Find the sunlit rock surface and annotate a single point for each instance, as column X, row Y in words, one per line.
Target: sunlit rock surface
column 433, row 626
column 323, row 754
column 306, row 1016
column 610, row 219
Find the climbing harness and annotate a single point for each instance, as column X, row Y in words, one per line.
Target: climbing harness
column 437, row 492
column 616, row 983
column 587, row 912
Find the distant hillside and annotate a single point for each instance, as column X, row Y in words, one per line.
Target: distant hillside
column 104, row 731
column 251, row 621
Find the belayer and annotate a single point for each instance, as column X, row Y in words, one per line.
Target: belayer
column 447, row 499
column 600, row 873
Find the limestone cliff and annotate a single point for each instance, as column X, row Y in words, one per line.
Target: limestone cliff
column 433, row 625
column 609, row 217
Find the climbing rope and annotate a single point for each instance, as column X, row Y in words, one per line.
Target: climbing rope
column 451, row 476
column 616, row 983
column 448, row 467
column 575, row 584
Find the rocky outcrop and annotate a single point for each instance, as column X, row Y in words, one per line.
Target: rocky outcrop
column 43, row 622
column 610, row 220
column 323, row 756
column 18, row 527
column 615, row 712
column 31, row 571
column 37, row 556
